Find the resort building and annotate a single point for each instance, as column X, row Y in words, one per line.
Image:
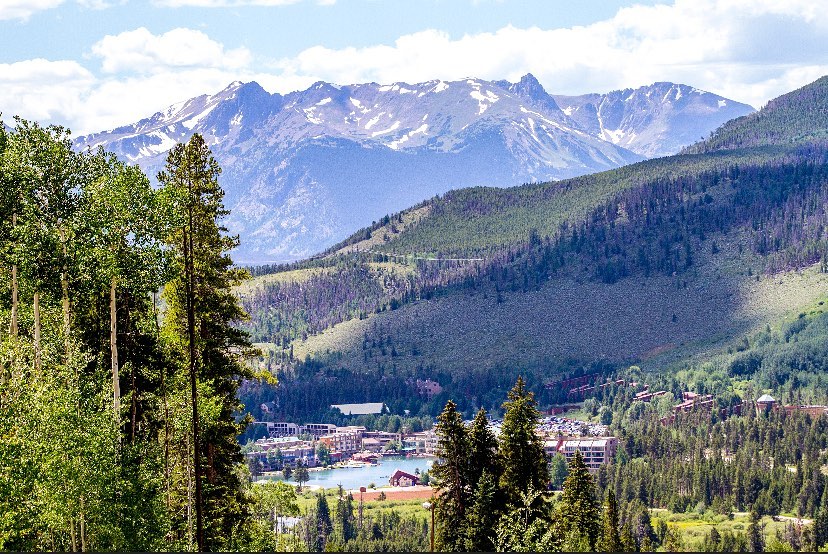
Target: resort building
column 595, row 452
column 317, row 430
column 424, row 442
column 344, row 440
column 765, row 403
column 282, row 429
column 375, row 441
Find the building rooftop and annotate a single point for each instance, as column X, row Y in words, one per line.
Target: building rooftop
column 360, row 409
column 766, row 398
column 587, row 442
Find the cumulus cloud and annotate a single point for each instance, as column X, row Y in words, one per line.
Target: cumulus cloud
column 747, row 50
column 140, row 51
column 43, row 90
column 23, row 9
column 140, row 74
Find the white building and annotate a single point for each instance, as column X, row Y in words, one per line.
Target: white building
column 365, row 408
column 595, row 452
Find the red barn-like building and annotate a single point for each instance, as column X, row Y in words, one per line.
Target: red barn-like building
column 403, row 479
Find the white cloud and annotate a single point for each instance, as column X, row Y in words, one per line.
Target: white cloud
column 43, row 90
column 142, row 73
column 747, row 50
column 22, row 9
column 119, row 101
column 232, row 3
column 140, row 51
column 100, row 4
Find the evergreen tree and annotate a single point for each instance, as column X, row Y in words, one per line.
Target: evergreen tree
column 577, row 507
column 301, row 474
column 450, row 476
column 344, row 518
column 712, row 541
column 521, row 449
column 821, row 522
column 576, row 540
column 201, row 312
column 323, row 524
column 558, row 470
column 628, row 543
column 610, row 539
column 524, row 529
column 755, row 538
column 482, row 516
column 483, row 454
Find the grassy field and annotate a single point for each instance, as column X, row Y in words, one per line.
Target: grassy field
column 307, row 500
column 692, row 526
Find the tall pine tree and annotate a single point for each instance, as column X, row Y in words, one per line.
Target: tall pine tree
column 578, row 510
column 199, row 320
column 450, row 475
column 521, row 448
column 609, row 539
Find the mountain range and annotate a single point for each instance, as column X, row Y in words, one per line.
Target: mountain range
column 683, row 263
column 302, row 171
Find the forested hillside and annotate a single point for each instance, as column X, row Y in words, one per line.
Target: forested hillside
column 799, row 116
column 655, row 261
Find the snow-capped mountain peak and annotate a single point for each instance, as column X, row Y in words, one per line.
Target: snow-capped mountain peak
column 305, row 169
column 654, row 120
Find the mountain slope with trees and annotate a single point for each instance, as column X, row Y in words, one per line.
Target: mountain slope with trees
column 651, row 261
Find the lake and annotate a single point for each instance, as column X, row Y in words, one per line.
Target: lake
column 355, row 477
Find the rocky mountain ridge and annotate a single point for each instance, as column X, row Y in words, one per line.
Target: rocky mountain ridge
column 305, row 169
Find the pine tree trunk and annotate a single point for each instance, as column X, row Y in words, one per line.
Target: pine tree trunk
column 189, row 265
column 37, row 332
column 113, row 344
column 13, row 327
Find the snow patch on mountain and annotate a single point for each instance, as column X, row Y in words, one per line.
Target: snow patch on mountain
column 655, row 120
column 391, row 129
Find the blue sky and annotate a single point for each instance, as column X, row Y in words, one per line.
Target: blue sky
column 96, row 64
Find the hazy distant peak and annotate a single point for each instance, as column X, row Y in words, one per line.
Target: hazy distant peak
column 305, row 169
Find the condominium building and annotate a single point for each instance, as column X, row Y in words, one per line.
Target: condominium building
column 594, row 451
